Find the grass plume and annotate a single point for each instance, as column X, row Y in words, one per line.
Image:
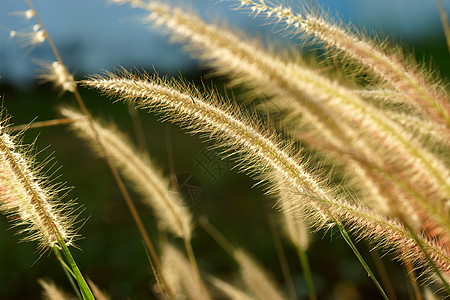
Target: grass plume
column 262, row 153
column 140, row 171
column 379, row 148
column 399, row 73
column 30, row 199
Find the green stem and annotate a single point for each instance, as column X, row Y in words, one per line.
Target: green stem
column 349, row 241
column 84, row 288
column 62, row 262
column 69, row 274
column 307, row 273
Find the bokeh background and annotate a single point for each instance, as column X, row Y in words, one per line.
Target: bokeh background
column 94, row 35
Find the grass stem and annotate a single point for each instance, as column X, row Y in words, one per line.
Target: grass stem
column 349, row 241
column 84, row 288
column 195, row 270
column 69, row 274
column 304, row 261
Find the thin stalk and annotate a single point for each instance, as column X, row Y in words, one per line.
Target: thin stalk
column 194, row 266
column 387, row 283
column 349, row 241
column 43, row 124
column 69, row 274
column 426, row 254
column 282, row 258
column 114, row 171
column 155, row 274
column 304, row 261
column 138, row 128
column 84, row 288
column 444, row 20
column 217, row 236
column 413, row 279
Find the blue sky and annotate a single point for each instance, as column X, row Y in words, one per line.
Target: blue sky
column 94, row 35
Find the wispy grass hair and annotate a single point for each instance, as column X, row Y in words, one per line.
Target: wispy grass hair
column 263, row 153
column 30, row 198
column 140, row 171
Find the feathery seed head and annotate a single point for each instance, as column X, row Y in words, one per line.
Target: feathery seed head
column 58, row 74
column 375, row 144
column 30, row 38
column 29, row 199
column 203, row 113
column 140, row 171
column 256, row 279
column 27, row 14
column 230, row 291
column 178, row 272
column 262, row 153
column 383, row 63
column 53, row 292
